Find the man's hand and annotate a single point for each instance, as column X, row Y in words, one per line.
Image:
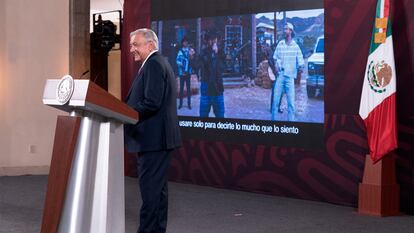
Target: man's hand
column 215, row 48
column 191, row 52
column 277, row 70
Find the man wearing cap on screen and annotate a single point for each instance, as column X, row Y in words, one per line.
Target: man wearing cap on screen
column 289, row 61
column 211, row 87
column 184, row 71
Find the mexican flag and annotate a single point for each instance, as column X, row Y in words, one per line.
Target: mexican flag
column 377, row 107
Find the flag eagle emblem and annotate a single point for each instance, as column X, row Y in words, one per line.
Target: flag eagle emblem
column 379, row 75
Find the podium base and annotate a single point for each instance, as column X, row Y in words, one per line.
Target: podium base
column 379, row 194
column 379, row 200
column 86, row 183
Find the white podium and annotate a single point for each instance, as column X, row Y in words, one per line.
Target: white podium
column 85, row 191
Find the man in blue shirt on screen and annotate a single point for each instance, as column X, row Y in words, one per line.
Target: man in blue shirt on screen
column 289, row 61
column 184, row 71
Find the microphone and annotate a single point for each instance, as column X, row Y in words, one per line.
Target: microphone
column 83, row 74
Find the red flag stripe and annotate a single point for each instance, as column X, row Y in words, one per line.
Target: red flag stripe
column 386, row 8
column 382, row 129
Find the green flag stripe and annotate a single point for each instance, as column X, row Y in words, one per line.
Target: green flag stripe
column 374, row 46
column 378, row 12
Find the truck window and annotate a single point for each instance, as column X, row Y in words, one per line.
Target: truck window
column 319, row 47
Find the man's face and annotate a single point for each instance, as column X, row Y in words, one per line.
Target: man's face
column 288, row 31
column 185, row 44
column 212, row 41
column 139, row 47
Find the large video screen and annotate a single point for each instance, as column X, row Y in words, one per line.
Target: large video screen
column 249, row 78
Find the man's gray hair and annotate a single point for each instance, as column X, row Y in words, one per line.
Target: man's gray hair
column 148, row 34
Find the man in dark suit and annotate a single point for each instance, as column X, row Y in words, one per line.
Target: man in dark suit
column 153, row 96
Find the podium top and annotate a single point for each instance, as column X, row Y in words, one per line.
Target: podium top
column 89, row 97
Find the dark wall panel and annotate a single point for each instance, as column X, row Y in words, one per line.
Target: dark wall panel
column 333, row 173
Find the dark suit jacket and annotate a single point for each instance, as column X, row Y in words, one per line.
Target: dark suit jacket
column 153, row 96
column 212, row 72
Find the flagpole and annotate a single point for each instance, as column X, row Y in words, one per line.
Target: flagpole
column 379, row 193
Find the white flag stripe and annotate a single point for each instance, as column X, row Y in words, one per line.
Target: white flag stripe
column 369, row 99
column 382, row 8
